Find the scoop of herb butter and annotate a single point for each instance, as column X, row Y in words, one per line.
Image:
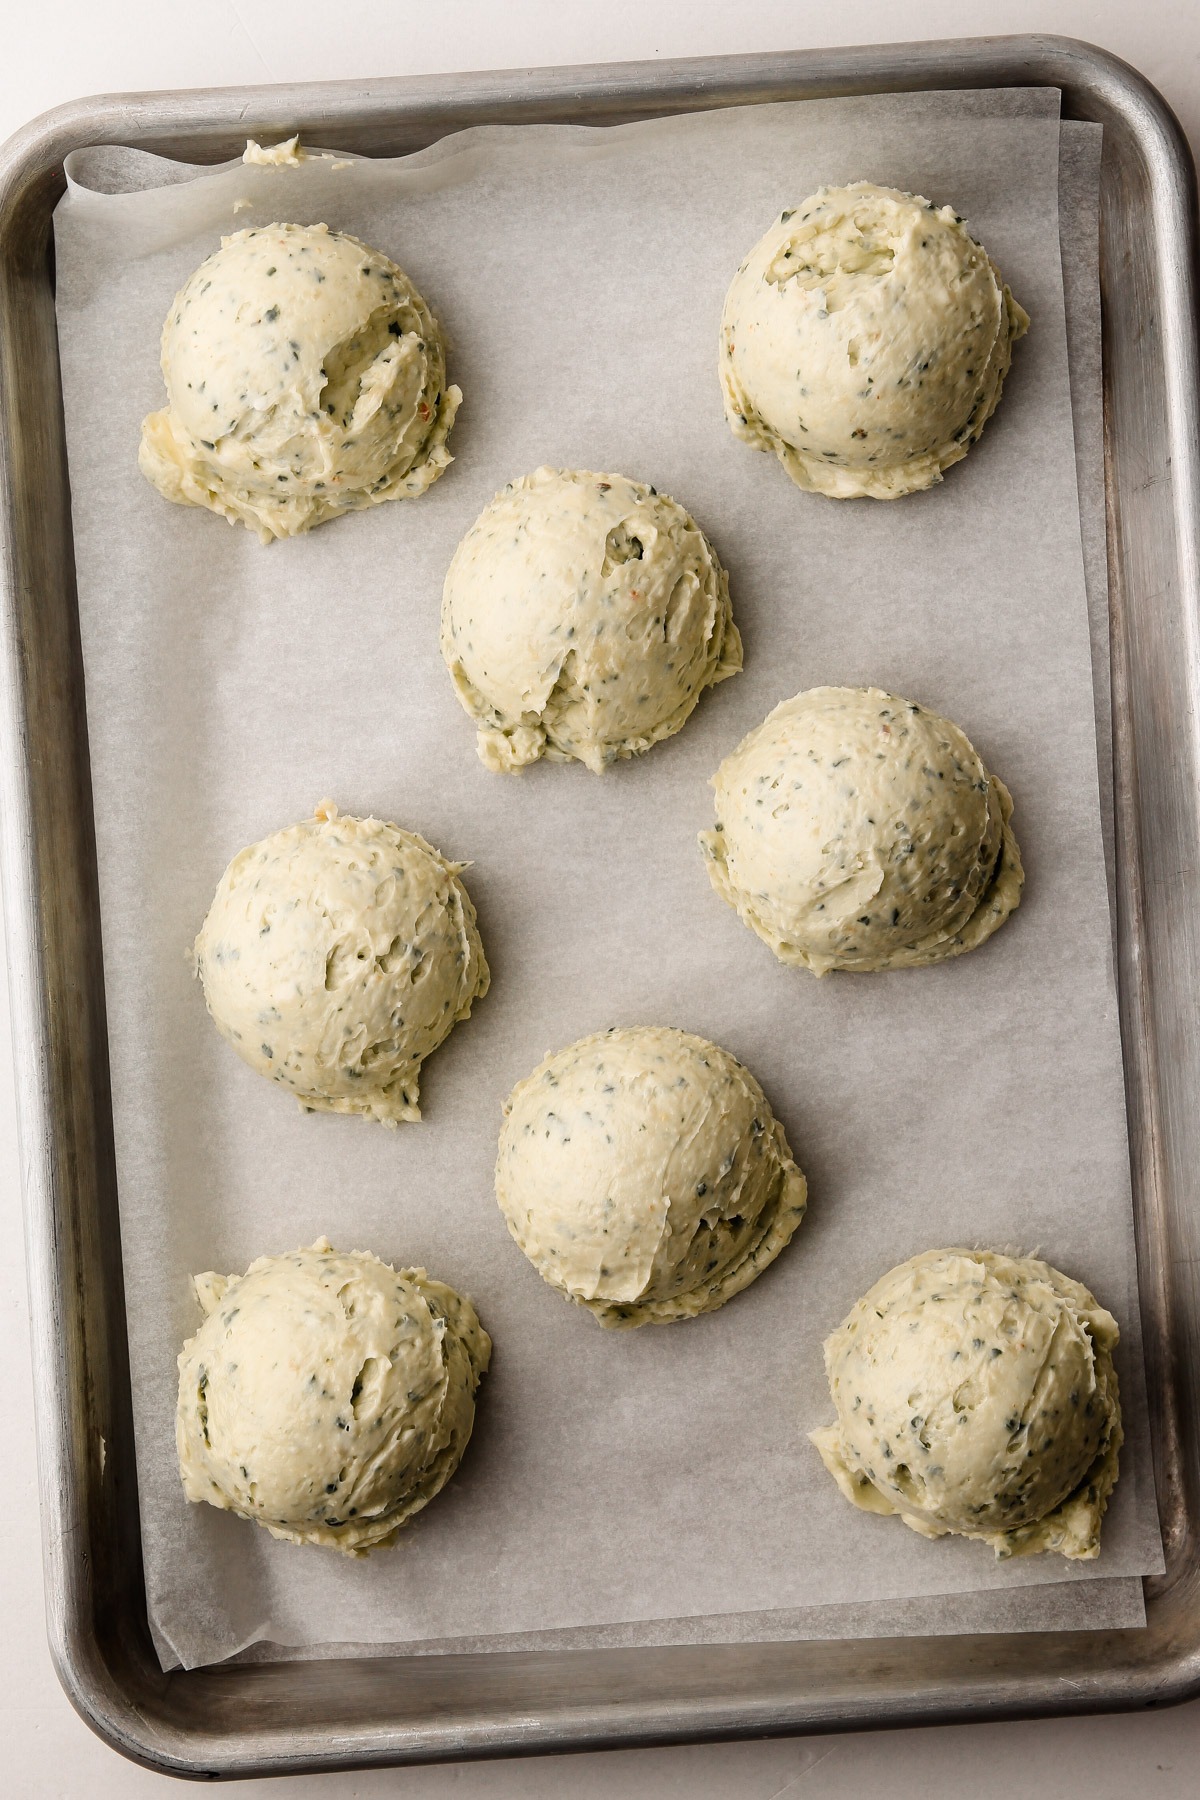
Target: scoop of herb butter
column 976, row 1394
column 644, row 1175
column 582, row 617
column 865, row 340
column 326, row 1396
column 856, row 830
column 306, row 378
column 336, row 956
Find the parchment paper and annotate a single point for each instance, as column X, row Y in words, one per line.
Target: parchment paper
column 1108, row 1604
column 1111, row 1603
column 658, row 1475
column 1080, row 147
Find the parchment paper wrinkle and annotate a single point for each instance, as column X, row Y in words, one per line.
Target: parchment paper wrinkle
column 657, row 1482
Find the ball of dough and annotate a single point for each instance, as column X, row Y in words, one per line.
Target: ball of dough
column 582, row 617
column 858, row 831
column 306, row 378
column 329, row 1397
column 976, row 1394
column 644, row 1175
column 865, row 340
column 336, row 956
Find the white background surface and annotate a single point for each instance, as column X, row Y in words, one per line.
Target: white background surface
column 58, row 52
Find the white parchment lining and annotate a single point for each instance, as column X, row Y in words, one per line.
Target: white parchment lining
column 657, row 1475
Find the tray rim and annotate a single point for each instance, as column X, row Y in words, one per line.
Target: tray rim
column 129, row 1703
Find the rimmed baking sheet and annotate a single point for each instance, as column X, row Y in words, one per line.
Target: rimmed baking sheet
column 661, row 1474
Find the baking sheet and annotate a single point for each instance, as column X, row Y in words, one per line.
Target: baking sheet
column 653, row 1475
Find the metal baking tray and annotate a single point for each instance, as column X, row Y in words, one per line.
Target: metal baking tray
column 271, row 1718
